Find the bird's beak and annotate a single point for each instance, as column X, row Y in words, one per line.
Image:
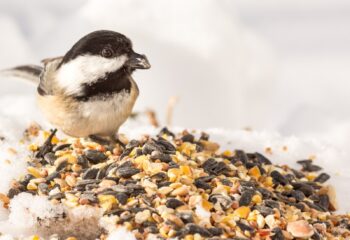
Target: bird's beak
column 138, row 61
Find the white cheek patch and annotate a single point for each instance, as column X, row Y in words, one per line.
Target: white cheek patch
column 86, row 69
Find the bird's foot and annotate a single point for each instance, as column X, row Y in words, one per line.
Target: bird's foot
column 115, row 138
column 100, row 140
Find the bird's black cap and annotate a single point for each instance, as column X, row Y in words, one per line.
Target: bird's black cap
column 103, row 42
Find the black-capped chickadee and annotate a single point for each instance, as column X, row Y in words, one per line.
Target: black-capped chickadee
column 89, row 91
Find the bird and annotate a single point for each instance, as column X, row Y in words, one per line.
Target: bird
column 89, row 92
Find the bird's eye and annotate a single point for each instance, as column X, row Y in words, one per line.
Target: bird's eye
column 107, row 52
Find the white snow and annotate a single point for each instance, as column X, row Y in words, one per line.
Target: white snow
column 121, row 233
column 25, row 210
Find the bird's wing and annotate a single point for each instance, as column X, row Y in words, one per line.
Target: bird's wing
column 28, row 72
column 47, row 83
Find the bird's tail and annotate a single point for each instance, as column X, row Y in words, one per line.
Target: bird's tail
column 28, row 72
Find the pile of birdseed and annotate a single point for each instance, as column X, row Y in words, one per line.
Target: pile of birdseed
column 170, row 186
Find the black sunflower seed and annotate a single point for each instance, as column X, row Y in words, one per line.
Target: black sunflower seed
column 277, row 234
column 57, row 196
column 111, row 167
column 133, row 144
column 244, row 227
column 324, row 201
column 161, row 156
column 125, row 153
column 151, row 146
column 43, row 187
column 298, row 205
column 26, row 179
column 169, row 147
column 50, row 158
column 126, row 172
column 214, row 167
column 303, row 187
column 173, row 203
column 193, row 229
column 166, row 132
column 13, row 192
column 61, row 166
column 239, row 156
column 298, row 195
column 188, row 138
column 246, row 197
column 163, row 184
column 261, row 158
column 264, row 192
column 186, row 217
column 272, row 204
column 215, row 231
column 102, row 172
column 89, row 196
column 226, row 182
column 279, row 178
column 61, row 147
column 308, row 166
column 204, row 136
column 87, row 182
column 264, row 210
column 201, row 184
column 90, row 173
column 322, row 178
column 122, row 198
column 298, row 174
column 160, row 177
column 224, row 201
column 52, row 176
column 314, row 206
column 173, row 164
column 83, row 162
column 95, row 156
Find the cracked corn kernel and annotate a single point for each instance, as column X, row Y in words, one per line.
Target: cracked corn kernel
column 76, row 168
column 32, row 186
column 254, row 172
column 173, row 174
column 186, row 170
column 257, row 199
column 107, row 201
column 4, row 199
column 189, row 237
column 33, row 147
column 35, row 237
column 242, row 212
column 269, row 181
column 141, row 217
column 181, row 191
column 164, row 231
column 34, row 171
column 187, row 148
column 227, row 153
column 140, row 160
column 165, row 190
column 207, row 205
column 71, row 180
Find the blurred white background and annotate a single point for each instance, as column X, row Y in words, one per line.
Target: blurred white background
column 275, row 65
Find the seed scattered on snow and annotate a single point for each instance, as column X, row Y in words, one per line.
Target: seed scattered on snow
column 181, row 186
